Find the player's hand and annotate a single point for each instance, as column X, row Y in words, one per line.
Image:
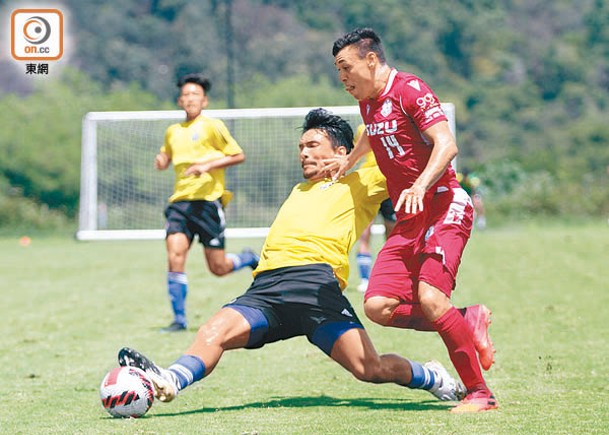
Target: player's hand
column 411, row 199
column 197, row 169
column 161, row 161
column 335, row 167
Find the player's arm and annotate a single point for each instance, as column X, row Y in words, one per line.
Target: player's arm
column 340, row 165
column 162, row 161
column 163, row 158
column 361, row 148
column 444, row 150
column 199, row 168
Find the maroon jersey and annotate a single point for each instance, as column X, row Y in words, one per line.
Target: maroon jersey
column 394, row 122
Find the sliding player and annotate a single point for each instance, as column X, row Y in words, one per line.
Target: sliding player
column 297, row 289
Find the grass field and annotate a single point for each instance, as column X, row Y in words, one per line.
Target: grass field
column 68, row 306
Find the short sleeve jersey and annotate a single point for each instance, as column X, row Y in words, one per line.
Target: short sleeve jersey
column 320, row 222
column 394, row 123
column 199, row 140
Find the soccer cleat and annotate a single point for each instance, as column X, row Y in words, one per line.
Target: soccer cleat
column 363, row 286
column 445, row 387
column 476, row 401
column 174, row 327
column 478, row 317
column 164, row 381
column 249, row 258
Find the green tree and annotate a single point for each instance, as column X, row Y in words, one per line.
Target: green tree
column 43, row 143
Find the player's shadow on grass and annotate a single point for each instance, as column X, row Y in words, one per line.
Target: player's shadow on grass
column 371, row 403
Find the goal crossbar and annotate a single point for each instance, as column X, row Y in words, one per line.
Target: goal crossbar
column 122, row 196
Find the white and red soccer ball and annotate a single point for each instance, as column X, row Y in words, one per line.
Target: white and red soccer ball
column 126, row 392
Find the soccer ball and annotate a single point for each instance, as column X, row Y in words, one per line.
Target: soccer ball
column 126, row 392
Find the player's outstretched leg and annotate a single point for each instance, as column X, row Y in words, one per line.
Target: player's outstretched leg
column 165, row 382
column 445, row 386
column 478, row 317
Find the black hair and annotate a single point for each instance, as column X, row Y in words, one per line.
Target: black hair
column 197, row 79
column 338, row 130
column 366, row 41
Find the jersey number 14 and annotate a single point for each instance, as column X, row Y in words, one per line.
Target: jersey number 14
column 391, row 143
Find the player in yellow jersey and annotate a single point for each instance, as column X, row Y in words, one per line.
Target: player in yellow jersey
column 297, row 289
column 364, row 251
column 199, row 148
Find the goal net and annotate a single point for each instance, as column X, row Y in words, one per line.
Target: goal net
column 123, row 197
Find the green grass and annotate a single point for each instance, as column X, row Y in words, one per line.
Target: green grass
column 68, row 306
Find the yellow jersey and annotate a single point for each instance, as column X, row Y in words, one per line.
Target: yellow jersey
column 321, row 221
column 199, row 140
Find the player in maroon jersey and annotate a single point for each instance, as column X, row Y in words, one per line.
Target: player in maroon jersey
column 415, row 271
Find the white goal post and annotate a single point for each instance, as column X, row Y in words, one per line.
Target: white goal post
column 122, row 196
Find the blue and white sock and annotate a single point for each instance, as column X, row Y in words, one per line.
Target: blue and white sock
column 244, row 259
column 177, row 287
column 188, row 369
column 364, row 263
column 422, row 377
column 237, row 263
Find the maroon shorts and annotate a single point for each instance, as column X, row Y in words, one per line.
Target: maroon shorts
column 427, row 247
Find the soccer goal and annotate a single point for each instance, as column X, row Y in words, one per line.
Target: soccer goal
column 122, row 196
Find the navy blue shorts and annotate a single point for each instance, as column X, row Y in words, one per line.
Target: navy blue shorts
column 294, row 301
column 202, row 218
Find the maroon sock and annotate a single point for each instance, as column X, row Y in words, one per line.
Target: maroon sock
column 410, row 316
column 457, row 337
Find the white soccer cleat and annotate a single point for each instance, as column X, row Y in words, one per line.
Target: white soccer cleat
column 446, row 387
column 164, row 381
column 362, row 286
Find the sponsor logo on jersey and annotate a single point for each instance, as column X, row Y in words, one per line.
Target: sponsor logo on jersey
column 430, row 106
column 379, row 128
column 387, row 107
column 427, row 101
column 434, row 112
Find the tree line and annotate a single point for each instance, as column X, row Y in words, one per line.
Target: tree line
column 530, row 81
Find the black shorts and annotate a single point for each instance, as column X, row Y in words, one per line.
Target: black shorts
column 387, row 211
column 203, row 218
column 298, row 300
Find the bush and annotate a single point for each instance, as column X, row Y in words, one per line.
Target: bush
column 18, row 213
column 510, row 192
